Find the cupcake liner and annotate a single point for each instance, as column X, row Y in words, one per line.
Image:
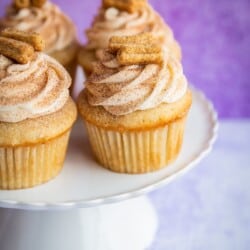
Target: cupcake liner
column 28, row 166
column 136, row 151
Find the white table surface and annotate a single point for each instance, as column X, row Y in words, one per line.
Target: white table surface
column 209, row 207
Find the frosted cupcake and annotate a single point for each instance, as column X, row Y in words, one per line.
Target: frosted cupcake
column 135, row 105
column 47, row 19
column 124, row 18
column 36, row 112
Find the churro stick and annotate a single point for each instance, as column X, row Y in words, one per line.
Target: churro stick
column 38, row 3
column 133, row 55
column 117, row 42
column 137, row 49
column 125, row 5
column 34, row 39
column 142, row 49
column 19, row 4
column 16, row 50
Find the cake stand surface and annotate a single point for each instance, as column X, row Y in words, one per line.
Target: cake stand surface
column 30, row 218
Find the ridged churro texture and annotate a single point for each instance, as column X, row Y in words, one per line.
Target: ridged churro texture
column 18, row 51
column 31, row 38
column 139, row 49
column 19, row 46
column 139, row 142
column 33, row 151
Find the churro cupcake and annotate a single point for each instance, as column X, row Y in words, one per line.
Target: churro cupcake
column 135, row 105
column 47, row 19
column 36, row 112
column 124, row 18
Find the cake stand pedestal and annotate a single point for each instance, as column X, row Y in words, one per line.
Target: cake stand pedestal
column 90, row 208
column 130, row 224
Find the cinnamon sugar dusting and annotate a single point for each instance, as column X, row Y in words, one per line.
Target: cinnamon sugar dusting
column 48, row 20
column 125, row 89
column 37, row 88
column 114, row 22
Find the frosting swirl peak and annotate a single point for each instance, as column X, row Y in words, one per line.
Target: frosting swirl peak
column 37, row 88
column 113, row 22
column 125, row 89
column 56, row 29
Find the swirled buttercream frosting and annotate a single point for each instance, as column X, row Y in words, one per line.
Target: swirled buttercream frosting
column 56, row 29
column 113, row 22
column 31, row 90
column 124, row 89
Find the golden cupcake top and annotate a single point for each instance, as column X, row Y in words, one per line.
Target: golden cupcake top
column 32, row 84
column 43, row 17
column 135, row 73
column 128, row 18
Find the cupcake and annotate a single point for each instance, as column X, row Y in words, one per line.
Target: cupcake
column 120, row 18
column 135, row 105
column 36, row 112
column 47, row 19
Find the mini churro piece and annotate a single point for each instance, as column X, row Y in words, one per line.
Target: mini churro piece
column 16, row 50
column 140, row 38
column 19, row 4
column 142, row 49
column 38, row 3
column 34, row 39
column 117, row 42
column 125, row 5
column 139, row 55
column 137, row 49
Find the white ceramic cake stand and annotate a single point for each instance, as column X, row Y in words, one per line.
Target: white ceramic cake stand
column 88, row 207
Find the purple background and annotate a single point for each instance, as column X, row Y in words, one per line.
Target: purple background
column 209, row 207
column 215, row 38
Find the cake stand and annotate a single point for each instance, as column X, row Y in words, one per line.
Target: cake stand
column 88, row 207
